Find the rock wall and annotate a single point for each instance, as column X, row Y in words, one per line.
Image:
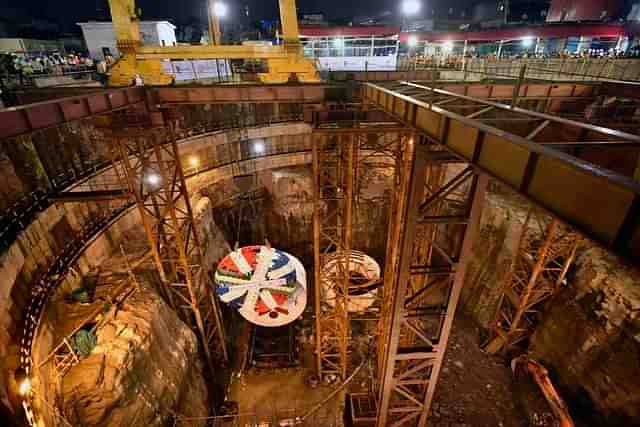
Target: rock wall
column 145, row 368
column 503, row 216
column 284, row 213
column 589, row 334
column 28, row 258
column 212, row 242
column 590, row 338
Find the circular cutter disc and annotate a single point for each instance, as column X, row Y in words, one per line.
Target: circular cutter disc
column 267, row 286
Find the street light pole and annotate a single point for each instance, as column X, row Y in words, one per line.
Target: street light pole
column 506, row 11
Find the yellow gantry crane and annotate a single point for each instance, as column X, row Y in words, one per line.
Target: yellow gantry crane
column 285, row 62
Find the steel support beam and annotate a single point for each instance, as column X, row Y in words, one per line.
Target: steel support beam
column 573, row 190
column 16, row 121
column 89, row 196
column 340, row 156
column 146, row 160
column 224, row 94
column 333, row 172
column 423, row 279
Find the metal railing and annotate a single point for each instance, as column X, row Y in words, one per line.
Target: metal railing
column 18, row 217
column 550, row 69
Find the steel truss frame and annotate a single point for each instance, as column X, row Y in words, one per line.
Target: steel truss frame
column 508, row 143
column 339, row 154
column 546, row 251
column 436, row 213
column 147, row 163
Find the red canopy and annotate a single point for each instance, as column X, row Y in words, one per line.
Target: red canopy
column 543, row 31
column 358, row 31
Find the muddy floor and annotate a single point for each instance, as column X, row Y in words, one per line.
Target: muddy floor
column 479, row 390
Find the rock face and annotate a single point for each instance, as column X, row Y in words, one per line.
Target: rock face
column 493, row 250
column 284, row 213
column 144, row 369
column 590, row 337
column 212, row 242
column 589, row 334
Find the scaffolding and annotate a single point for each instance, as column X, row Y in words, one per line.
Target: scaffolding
column 147, row 163
column 340, row 152
column 333, row 205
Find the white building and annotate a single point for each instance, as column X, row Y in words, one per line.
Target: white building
column 359, row 48
column 100, row 37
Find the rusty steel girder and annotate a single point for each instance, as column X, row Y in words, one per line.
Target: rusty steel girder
column 436, row 214
column 341, row 151
column 146, row 161
column 333, row 203
column 508, row 143
column 41, row 115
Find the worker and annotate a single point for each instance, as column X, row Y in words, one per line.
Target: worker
column 101, row 73
column 138, row 80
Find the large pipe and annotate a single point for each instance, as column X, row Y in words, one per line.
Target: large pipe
column 541, row 377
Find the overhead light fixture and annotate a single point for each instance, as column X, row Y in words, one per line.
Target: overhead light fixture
column 220, row 9
column 527, row 42
column 412, row 41
column 23, row 381
column 194, row 161
column 258, row 147
column 410, row 7
column 25, row 387
column 153, row 179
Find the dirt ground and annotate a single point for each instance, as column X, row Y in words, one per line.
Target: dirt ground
column 478, row 390
column 265, row 395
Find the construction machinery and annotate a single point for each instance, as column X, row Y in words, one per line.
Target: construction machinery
column 286, row 62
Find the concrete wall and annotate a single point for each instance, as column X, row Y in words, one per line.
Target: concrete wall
column 98, row 35
column 165, row 33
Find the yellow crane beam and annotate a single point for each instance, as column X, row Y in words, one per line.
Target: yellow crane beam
column 206, row 51
column 285, row 62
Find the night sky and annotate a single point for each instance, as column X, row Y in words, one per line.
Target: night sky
column 70, row 11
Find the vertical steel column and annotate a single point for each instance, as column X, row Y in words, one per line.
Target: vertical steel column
column 153, row 172
column 333, row 171
column 402, row 228
column 430, row 239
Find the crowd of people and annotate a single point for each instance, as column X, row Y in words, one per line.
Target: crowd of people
column 53, row 64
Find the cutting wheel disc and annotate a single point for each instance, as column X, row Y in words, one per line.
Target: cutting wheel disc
column 267, row 286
